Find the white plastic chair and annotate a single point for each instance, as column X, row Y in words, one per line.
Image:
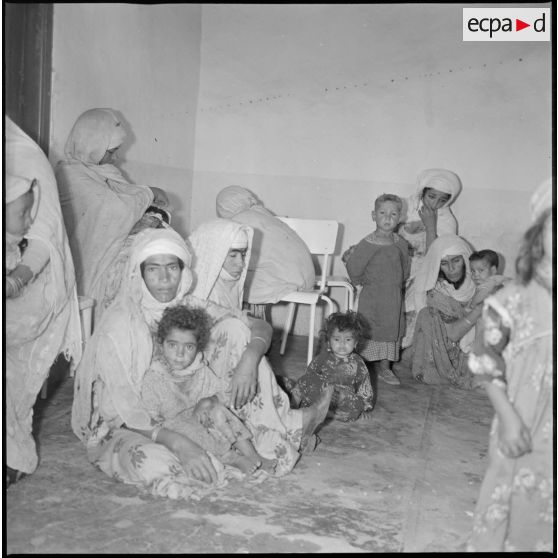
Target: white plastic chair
column 320, row 235
column 345, row 283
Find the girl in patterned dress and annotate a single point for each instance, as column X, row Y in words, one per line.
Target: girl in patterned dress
column 513, row 360
column 182, row 392
column 341, row 367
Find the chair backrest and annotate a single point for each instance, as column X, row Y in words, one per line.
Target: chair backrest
column 320, row 235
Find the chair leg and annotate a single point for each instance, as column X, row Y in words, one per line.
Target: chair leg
column 287, row 327
column 350, row 299
column 311, row 334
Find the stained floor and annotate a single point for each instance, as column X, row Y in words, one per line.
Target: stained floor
column 405, row 481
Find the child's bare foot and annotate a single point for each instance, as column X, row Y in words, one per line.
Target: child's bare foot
column 314, row 415
column 269, row 465
column 245, row 464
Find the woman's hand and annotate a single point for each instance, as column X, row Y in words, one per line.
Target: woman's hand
column 245, row 378
column 482, row 293
column 203, row 408
column 514, row 438
column 194, row 459
column 429, row 217
column 160, row 198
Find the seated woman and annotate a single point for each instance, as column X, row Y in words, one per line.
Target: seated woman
column 42, row 316
column 108, row 414
column 448, row 310
column 221, row 249
column 99, row 205
column 428, row 216
column 280, row 261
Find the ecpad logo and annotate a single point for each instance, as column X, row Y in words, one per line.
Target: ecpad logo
column 506, row 24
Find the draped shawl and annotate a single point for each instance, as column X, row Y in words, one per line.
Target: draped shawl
column 43, row 320
column 427, row 277
column 124, row 335
column 211, row 242
column 99, row 205
column 444, row 181
column 281, row 262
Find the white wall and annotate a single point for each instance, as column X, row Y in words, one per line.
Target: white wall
column 320, row 108
column 144, row 62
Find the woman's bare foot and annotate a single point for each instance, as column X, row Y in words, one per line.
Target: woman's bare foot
column 314, row 415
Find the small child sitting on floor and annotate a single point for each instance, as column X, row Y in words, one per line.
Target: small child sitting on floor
column 19, row 216
column 181, row 392
column 341, row 367
column 380, row 262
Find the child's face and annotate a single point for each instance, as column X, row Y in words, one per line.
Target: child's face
column 234, row 262
column 387, row 216
column 434, row 199
column 342, row 343
column 18, row 214
column 481, row 270
column 180, row 348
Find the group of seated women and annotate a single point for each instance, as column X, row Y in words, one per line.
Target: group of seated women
column 108, row 242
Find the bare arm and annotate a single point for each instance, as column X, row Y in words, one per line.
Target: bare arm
column 245, row 376
column 514, row 438
column 16, row 280
column 430, row 219
column 456, row 330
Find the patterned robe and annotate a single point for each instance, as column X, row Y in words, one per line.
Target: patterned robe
column 515, row 507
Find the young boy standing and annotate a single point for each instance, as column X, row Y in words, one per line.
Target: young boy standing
column 380, row 263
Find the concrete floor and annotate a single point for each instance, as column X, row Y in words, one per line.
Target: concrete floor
column 406, row 481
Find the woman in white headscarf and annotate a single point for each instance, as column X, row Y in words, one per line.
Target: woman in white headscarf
column 100, row 206
column 42, row 321
column 447, row 311
column 280, row 262
column 222, row 250
column 513, row 360
column 428, row 215
column 110, row 417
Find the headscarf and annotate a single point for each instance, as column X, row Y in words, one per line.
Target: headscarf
column 234, row 199
column 281, row 262
column 211, row 242
column 95, row 132
column 16, row 186
column 444, row 181
column 427, row 276
column 128, row 323
column 99, row 205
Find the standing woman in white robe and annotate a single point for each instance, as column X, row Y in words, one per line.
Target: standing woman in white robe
column 42, row 321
